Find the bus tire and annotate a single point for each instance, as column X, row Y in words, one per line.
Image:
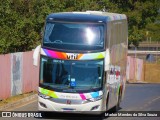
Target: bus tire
column 107, row 102
column 116, row 108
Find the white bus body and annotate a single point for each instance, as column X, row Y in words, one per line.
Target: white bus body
column 78, row 75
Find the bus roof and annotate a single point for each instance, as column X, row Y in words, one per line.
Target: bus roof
column 88, row 16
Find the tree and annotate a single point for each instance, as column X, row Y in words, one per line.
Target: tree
column 21, row 24
column 22, row 21
column 153, row 29
column 140, row 13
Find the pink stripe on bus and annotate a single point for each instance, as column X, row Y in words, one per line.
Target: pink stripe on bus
column 82, row 96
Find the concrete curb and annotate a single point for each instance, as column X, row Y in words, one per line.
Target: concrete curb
column 139, row 83
column 18, row 102
column 136, row 82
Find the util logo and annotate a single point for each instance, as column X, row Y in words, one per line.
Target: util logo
column 72, row 56
column 68, row 102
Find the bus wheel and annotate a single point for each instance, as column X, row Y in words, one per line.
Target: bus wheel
column 107, row 102
column 116, row 108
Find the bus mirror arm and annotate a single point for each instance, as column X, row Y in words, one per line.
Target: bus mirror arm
column 106, row 68
column 36, row 55
column 107, row 60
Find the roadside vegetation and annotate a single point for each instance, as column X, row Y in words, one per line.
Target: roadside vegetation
column 22, row 21
column 15, row 98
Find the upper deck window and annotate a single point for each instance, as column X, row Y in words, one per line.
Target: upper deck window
column 74, row 36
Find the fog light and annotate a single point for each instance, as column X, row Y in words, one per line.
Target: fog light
column 95, row 107
column 43, row 105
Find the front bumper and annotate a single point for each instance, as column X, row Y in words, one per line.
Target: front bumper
column 47, row 105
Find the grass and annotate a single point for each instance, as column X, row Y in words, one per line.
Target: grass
column 15, row 98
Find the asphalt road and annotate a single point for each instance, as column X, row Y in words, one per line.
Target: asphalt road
column 138, row 97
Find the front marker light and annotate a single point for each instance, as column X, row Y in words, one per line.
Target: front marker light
column 95, row 107
column 43, row 105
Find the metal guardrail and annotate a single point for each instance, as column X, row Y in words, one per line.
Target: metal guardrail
column 143, row 52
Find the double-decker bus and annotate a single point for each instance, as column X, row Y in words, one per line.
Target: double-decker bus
column 83, row 61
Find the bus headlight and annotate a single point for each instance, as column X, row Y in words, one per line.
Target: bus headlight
column 43, row 96
column 95, row 99
column 92, row 99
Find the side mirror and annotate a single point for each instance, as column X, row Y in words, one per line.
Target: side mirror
column 36, row 55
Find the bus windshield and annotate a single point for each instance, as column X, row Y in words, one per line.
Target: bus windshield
column 71, row 75
column 74, row 36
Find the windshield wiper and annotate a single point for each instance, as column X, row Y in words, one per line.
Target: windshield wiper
column 69, row 90
column 47, row 87
column 93, row 89
column 58, row 41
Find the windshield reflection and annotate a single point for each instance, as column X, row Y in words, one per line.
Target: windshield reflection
column 75, row 36
column 70, row 75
